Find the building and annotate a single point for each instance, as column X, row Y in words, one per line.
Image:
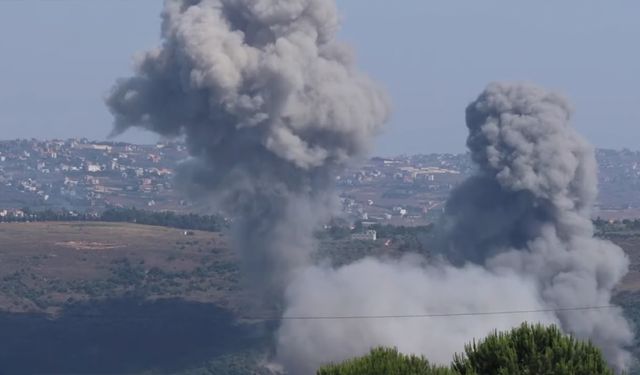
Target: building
column 368, row 235
column 93, row 168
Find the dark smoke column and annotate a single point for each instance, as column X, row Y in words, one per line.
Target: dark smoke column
column 271, row 107
column 528, row 210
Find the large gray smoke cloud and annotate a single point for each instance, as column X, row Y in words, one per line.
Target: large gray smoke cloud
column 519, row 231
column 529, row 209
column 408, row 286
column 271, row 108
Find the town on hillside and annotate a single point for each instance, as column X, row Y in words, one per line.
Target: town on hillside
column 79, row 175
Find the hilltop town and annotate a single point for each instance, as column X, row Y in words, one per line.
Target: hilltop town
column 84, row 176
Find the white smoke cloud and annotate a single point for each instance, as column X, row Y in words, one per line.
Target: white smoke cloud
column 398, row 287
column 520, row 232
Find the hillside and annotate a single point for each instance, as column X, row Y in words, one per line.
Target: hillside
column 96, row 291
column 43, row 266
column 158, row 299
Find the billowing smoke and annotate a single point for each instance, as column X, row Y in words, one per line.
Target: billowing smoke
column 529, row 209
column 518, row 237
column 271, row 107
column 409, row 286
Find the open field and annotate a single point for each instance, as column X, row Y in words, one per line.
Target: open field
column 46, row 265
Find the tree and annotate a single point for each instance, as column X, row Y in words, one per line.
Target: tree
column 528, row 350
column 385, row 361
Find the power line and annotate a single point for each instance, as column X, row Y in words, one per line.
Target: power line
column 273, row 318
column 429, row 315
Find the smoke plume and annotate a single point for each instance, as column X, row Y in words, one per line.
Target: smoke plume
column 529, row 209
column 271, row 107
column 408, row 286
column 518, row 236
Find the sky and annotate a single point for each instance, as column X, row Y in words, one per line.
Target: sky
column 59, row 58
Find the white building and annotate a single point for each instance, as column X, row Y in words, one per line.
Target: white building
column 369, row 235
column 92, row 168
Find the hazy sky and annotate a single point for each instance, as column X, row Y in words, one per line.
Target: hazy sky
column 58, row 58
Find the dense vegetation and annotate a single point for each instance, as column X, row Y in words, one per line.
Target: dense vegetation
column 531, row 350
column 626, row 227
column 385, row 361
column 125, row 278
column 526, row 350
column 212, row 223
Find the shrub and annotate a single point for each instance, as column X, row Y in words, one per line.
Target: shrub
column 385, row 361
column 531, row 349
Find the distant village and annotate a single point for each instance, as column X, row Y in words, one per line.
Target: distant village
column 82, row 176
column 79, row 175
